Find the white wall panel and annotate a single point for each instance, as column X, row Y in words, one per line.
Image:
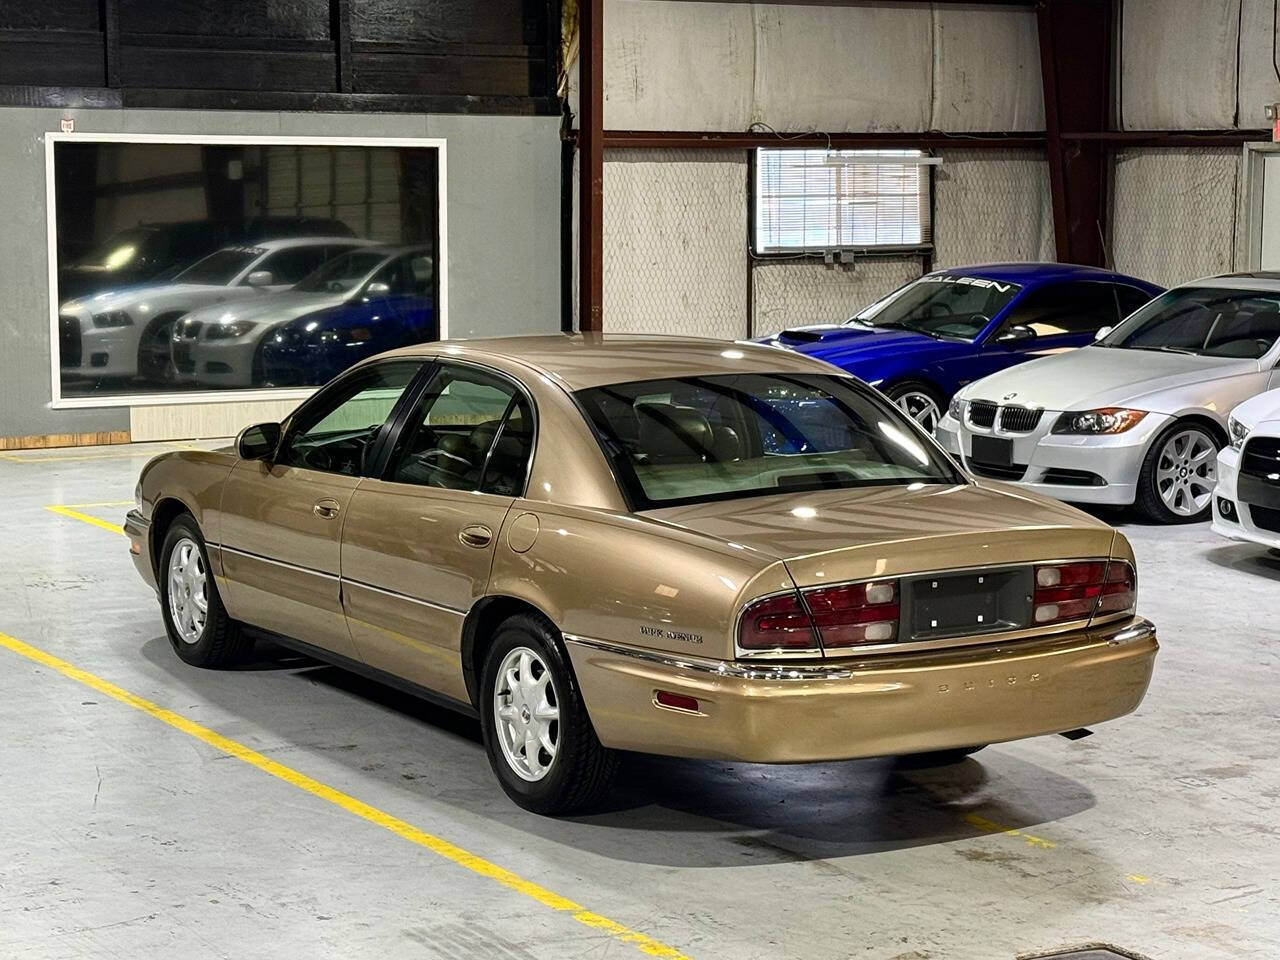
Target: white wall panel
column 986, row 69
column 992, row 205
column 838, row 68
column 677, row 66
column 1178, row 63
column 789, row 293
column 1174, row 215
column 832, row 67
column 186, row 421
column 1258, row 84
column 675, row 242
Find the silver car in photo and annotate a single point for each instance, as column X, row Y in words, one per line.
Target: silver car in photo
column 1138, row 416
column 219, row 346
column 126, row 332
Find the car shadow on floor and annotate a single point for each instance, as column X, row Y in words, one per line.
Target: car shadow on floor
column 1250, row 558
column 709, row 813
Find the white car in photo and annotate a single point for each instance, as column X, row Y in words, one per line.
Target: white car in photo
column 1136, row 417
column 1246, row 503
column 126, row 332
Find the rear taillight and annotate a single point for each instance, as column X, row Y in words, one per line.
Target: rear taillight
column 776, row 623
column 1080, row 590
column 856, row 614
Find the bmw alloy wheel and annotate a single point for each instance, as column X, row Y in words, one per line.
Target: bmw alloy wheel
column 1186, row 471
column 526, row 714
column 188, row 590
column 921, row 408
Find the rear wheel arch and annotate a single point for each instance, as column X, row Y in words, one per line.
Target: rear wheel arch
column 481, row 626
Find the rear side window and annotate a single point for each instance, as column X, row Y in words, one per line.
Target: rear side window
column 1072, row 308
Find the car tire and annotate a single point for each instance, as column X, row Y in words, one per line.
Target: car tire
column 1174, row 470
column 937, row 758
column 920, row 401
column 154, row 363
column 202, row 638
column 527, row 678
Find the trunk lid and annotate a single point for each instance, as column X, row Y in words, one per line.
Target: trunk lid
column 841, row 535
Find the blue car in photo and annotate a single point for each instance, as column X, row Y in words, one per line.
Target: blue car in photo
column 315, row 348
column 927, row 339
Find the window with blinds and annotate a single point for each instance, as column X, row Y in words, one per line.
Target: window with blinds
column 811, row 201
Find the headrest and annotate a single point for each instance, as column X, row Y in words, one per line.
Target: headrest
column 671, row 434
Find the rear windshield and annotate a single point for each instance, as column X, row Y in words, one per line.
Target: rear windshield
column 1207, row 321
column 695, row 439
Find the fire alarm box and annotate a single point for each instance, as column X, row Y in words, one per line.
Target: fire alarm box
column 1273, row 115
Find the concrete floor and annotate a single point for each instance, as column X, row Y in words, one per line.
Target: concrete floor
column 123, row 837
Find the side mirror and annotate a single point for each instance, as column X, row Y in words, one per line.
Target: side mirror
column 1016, row 333
column 1102, row 332
column 260, row 278
column 377, row 289
column 258, row 442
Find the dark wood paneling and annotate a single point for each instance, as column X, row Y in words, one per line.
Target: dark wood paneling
column 417, row 55
column 281, row 19
column 51, row 58
column 450, row 21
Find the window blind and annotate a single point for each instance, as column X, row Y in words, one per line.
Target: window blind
column 818, row 200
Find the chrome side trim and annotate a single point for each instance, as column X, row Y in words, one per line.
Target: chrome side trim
column 403, row 596
column 277, row 563
column 1141, row 629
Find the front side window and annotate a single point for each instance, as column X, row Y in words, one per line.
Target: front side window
column 1207, row 321
column 693, row 439
column 337, row 431
column 474, row 432
column 943, row 306
column 811, row 201
column 291, row 265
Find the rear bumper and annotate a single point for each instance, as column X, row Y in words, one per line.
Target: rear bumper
column 138, row 529
column 878, row 707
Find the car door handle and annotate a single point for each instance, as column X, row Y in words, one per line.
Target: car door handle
column 475, row 535
column 326, row 509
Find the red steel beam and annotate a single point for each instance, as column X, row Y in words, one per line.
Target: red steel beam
column 838, row 141
column 591, row 165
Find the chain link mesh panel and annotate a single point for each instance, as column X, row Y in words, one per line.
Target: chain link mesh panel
column 992, row 206
column 1174, row 214
column 789, row 293
column 675, row 242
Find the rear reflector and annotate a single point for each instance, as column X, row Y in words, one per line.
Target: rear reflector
column 676, row 701
column 856, row 614
column 777, row 623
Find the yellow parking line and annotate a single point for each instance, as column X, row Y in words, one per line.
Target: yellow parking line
column 407, row 831
column 69, row 510
column 990, row 826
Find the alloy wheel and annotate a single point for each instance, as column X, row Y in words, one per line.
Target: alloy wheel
column 1186, row 472
column 921, row 408
column 188, row 590
column 526, row 714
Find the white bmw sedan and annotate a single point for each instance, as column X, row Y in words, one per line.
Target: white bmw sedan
column 1138, row 416
column 1246, row 503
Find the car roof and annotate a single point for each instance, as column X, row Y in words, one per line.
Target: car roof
column 1033, row 272
column 580, row 361
column 1263, row 280
column 277, row 242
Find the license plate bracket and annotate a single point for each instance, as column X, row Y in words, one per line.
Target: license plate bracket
column 966, row 603
column 996, row 451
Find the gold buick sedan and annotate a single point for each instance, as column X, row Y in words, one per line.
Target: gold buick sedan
column 668, row 545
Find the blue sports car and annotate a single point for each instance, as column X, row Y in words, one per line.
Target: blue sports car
column 929, row 338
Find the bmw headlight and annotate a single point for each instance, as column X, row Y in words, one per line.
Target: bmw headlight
column 226, row 331
column 1239, row 432
column 955, row 410
column 112, row 318
column 1094, row 422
